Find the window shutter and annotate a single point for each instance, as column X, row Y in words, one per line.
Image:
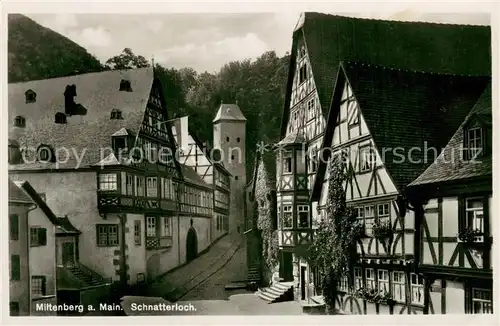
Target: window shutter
column 44, row 285
column 42, row 236
column 461, row 213
column 15, row 266
column 14, row 227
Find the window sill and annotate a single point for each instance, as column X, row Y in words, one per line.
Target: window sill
column 42, row 297
column 108, row 246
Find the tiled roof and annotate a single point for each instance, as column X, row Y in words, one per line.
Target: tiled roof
column 26, row 187
column 440, row 48
column 98, row 93
column 450, row 165
column 405, row 110
column 229, row 112
column 190, row 175
column 297, row 137
column 17, row 195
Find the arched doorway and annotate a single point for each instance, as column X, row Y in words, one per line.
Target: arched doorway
column 191, row 244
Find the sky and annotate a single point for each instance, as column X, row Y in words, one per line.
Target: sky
column 203, row 41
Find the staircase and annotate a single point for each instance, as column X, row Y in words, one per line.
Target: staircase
column 278, row 292
column 86, row 275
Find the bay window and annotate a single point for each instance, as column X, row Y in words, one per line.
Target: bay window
column 152, row 187
column 139, row 186
column 108, row 182
column 130, row 185
column 304, row 216
column 287, row 217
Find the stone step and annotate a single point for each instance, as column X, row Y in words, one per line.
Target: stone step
column 281, row 286
column 267, row 296
column 275, row 291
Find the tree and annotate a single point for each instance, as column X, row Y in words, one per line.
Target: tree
column 127, row 60
column 333, row 250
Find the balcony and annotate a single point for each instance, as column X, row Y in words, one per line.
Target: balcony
column 153, row 243
column 118, row 203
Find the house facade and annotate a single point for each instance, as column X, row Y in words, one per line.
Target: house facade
column 199, row 156
column 312, row 80
column 100, row 147
column 452, row 201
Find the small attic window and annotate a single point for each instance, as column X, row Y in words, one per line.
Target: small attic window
column 45, row 154
column 60, row 118
column 30, row 96
column 20, row 121
column 116, row 114
column 125, row 86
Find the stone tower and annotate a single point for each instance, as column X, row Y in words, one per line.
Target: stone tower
column 229, row 136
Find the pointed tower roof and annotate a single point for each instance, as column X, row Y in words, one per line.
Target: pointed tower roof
column 229, row 112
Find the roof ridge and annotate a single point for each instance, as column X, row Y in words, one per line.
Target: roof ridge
column 394, row 20
column 83, row 74
column 416, row 71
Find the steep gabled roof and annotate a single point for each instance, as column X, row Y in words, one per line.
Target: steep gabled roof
column 450, row 164
column 229, row 112
column 98, row 94
column 404, row 110
column 17, row 195
column 190, row 175
column 440, row 48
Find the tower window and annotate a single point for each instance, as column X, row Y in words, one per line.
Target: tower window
column 236, row 178
column 30, row 96
column 125, row 86
column 45, row 154
column 232, row 157
column 60, row 117
column 20, row 121
column 238, row 139
column 116, row 114
column 227, row 138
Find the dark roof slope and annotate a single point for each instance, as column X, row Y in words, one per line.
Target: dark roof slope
column 98, row 93
column 450, row 165
column 17, row 195
column 36, row 52
column 229, row 112
column 405, row 110
column 440, row 48
column 26, row 187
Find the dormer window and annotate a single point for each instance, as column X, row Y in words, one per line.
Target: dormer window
column 119, row 143
column 20, row 121
column 125, row 86
column 60, row 118
column 30, row 96
column 475, row 143
column 116, row 114
column 45, row 154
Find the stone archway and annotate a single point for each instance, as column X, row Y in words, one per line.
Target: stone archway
column 191, row 243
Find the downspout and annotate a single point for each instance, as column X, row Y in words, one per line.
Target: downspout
column 123, row 262
column 28, row 254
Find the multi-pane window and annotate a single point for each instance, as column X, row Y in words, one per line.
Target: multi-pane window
column 38, row 236
column 303, row 73
column 383, row 281
column 310, row 109
column 417, row 289
column 344, row 284
column 383, row 212
column 358, row 278
column 108, row 182
column 107, row 235
column 370, row 278
column 287, row 216
column 366, row 159
column 139, row 186
column 304, row 216
column 130, row 184
column 151, row 187
column 14, row 226
column 151, row 226
column 482, row 302
column 167, row 226
column 398, row 286
column 137, row 232
column 287, row 165
column 38, row 287
column 369, row 217
column 474, row 142
column 475, row 218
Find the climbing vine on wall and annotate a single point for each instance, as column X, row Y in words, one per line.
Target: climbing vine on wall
column 333, row 250
column 265, row 218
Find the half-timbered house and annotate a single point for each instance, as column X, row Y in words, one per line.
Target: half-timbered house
column 320, row 42
column 452, row 203
column 200, row 157
column 100, row 147
column 387, row 124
